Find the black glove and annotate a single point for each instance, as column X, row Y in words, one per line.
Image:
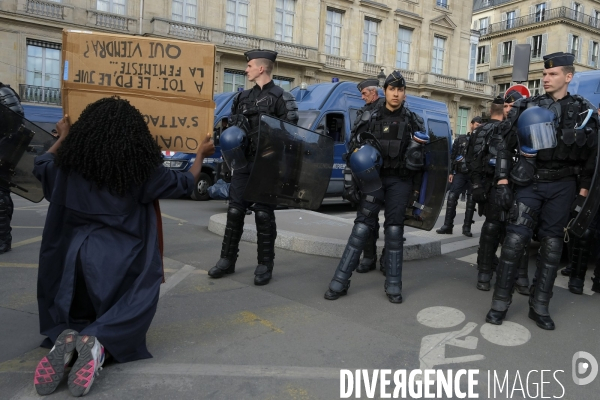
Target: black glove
column 479, row 194
column 240, row 121
column 351, row 192
column 503, row 196
column 578, row 204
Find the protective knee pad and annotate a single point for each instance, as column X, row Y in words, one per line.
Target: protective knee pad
column 393, row 259
column 233, row 233
column 451, row 208
column 452, row 199
column 488, row 243
column 349, row 261
column 580, row 252
column 506, row 271
column 265, row 237
column 523, row 271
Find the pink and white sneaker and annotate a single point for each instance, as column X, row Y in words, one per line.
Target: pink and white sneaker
column 89, row 362
column 51, row 369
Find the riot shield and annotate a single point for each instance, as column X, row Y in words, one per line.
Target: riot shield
column 20, row 142
column 292, row 166
column 588, row 211
column 424, row 213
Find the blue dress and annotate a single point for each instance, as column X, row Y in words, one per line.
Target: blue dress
column 114, row 239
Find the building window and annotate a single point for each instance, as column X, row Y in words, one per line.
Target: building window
column 437, row 56
column 481, row 77
column 574, row 46
column 333, row 32
column 369, row 51
column 506, row 52
column 593, row 55
column 283, row 82
column 481, row 55
column 463, row 117
column 184, row 11
column 577, row 12
column 540, row 12
column 403, row 50
column 284, row 20
column 43, row 64
column 472, row 61
column 510, row 19
column 111, row 6
column 237, row 16
column 233, row 80
column 534, row 87
column 536, row 46
column 483, row 25
column 595, row 22
column 502, row 88
column 442, row 3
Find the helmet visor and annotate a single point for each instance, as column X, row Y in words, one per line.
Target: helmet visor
column 235, row 158
column 368, row 180
column 539, row 136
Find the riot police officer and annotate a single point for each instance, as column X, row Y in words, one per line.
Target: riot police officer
column 481, row 159
column 263, row 98
column 393, row 178
column 509, row 99
column 368, row 91
column 556, row 144
column 459, row 179
column 10, row 99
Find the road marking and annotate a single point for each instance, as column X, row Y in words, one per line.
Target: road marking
column 250, row 318
column 181, row 221
column 175, row 279
column 507, row 334
column 28, row 241
column 440, row 317
column 18, row 265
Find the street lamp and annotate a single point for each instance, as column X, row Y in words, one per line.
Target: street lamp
column 381, row 77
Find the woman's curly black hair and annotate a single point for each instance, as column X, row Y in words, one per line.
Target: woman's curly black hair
column 110, row 145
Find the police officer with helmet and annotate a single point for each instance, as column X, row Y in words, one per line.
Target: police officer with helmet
column 459, row 179
column 387, row 160
column 241, row 141
column 368, row 92
column 10, row 99
column 557, row 144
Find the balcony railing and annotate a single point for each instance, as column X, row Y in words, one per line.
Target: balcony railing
column 372, row 69
column 542, row 16
column 475, row 86
column 239, row 40
column 291, row 50
column 409, row 76
column 46, row 9
column 445, row 80
column 188, row 31
column 39, row 94
column 335, row 62
column 111, row 21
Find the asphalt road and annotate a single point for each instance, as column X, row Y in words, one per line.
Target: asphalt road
column 229, row 339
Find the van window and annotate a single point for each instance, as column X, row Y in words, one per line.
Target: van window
column 352, row 112
column 220, row 126
column 306, row 118
column 437, row 129
column 333, row 126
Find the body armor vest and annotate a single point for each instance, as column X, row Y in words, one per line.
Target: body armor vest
column 462, row 145
column 393, row 134
column 487, row 138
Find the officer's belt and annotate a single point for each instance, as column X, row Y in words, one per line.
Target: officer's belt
column 390, row 172
column 555, row 174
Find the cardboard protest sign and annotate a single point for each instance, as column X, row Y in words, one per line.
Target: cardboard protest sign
column 171, row 82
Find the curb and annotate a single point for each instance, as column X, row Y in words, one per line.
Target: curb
column 416, row 246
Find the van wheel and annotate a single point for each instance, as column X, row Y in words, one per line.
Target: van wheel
column 200, row 192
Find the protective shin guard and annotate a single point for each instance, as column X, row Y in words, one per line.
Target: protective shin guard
column 488, row 243
column 231, row 241
column 341, row 278
column 547, row 267
column 579, row 261
column 6, row 211
column 469, row 211
column 522, row 283
column 266, row 234
column 512, row 250
column 450, row 214
column 369, row 260
column 393, row 262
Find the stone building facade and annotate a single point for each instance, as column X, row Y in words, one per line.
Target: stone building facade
column 431, row 41
column 548, row 26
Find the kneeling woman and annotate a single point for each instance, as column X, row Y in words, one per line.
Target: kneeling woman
column 100, row 265
column 391, row 137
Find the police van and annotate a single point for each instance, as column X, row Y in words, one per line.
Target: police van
column 586, row 84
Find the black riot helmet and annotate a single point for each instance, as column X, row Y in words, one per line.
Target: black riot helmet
column 10, row 99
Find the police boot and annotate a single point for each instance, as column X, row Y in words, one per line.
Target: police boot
column 541, row 291
column 382, row 261
column 579, row 261
column 469, row 211
column 266, row 234
column 522, row 283
column 506, row 272
column 369, row 260
column 393, row 263
column 231, row 240
column 450, row 214
column 596, row 283
column 6, row 210
column 488, row 243
column 341, row 278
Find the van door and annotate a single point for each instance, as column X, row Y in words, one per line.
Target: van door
column 334, row 125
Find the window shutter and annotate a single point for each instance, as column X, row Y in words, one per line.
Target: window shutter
column 544, row 42
column 476, row 25
column 548, row 5
column 517, row 13
column 487, row 53
column 485, row 77
column 580, row 49
column 569, row 41
column 499, row 55
column 529, row 41
column 590, row 47
column 532, row 12
column 512, row 51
